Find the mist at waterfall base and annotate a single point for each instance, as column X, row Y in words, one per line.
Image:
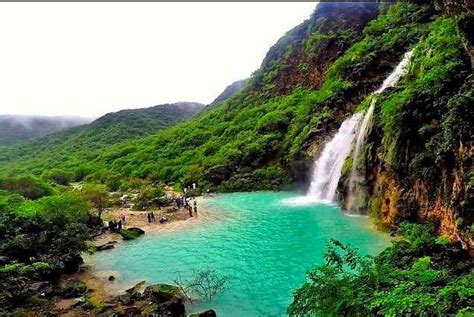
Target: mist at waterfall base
column 263, row 246
column 328, row 166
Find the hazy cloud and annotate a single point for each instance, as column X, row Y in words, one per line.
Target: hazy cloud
column 91, row 58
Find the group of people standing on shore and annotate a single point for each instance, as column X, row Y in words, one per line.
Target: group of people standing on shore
column 151, row 217
column 184, row 202
column 115, row 225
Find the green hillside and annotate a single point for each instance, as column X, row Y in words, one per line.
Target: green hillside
column 209, row 149
column 265, row 137
column 81, row 144
column 415, row 171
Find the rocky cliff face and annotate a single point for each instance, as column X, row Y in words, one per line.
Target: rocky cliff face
column 301, row 57
column 417, row 160
column 422, row 186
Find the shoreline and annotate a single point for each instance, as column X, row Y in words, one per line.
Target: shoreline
column 100, row 288
column 103, row 290
column 177, row 220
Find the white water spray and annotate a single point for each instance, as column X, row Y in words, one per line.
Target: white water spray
column 328, row 167
column 390, row 81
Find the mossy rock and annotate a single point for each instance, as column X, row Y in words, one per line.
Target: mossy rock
column 161, row 293
column 131, row 233
column 35, row 301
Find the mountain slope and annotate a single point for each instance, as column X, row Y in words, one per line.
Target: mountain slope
column 81, row 144
column 417, row 163
column 265, row 138
column 266, row 135
column 17, row 128
column 230, row 91
column 418, row 153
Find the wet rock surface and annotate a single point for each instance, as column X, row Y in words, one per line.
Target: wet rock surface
column 106, row 246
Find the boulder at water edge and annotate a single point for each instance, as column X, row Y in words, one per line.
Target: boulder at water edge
column 131, row 233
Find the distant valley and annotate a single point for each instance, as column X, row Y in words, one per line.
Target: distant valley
column 19, row 128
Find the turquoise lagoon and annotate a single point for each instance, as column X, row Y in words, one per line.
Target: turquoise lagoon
column 262, row 243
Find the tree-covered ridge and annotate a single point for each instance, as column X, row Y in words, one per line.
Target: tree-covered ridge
column 302, row 55
column 81, row 144
column 257, row 140
column 229, row 91
column 252, row 141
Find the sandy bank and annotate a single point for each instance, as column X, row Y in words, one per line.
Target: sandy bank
column 100, row 288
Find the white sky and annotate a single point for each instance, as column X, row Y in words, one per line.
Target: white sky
column 91, row 58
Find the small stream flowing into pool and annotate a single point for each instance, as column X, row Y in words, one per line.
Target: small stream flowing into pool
column 261, row 243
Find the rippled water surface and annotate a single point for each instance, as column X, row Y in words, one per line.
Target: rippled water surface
column 263, row 244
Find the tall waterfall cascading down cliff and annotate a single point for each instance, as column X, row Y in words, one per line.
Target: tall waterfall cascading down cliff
column 328, row 166
column 354, row 177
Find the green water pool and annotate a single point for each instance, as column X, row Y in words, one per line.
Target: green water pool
column 263, row 245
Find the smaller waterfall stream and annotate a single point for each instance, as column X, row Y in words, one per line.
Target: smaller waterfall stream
column 354, row 176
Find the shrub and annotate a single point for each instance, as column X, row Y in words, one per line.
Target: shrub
column 413, row 280
column 27, row 186
column 58, row 176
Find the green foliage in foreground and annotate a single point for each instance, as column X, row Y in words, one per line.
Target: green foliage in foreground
column 51, row 229
column 39, row 239
column 418, row 277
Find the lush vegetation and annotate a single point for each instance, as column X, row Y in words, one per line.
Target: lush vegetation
column 39, row 240
column 80, row 145
column 428, row 117
column 54, row 190
column 27, row 186
column 438, row 64
column 257, row 139
column 418, row 276
column 44, row 227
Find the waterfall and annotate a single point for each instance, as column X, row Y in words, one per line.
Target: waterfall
column 390, row 81
column 328, row 167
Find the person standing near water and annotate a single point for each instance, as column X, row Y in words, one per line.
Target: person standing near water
column 195, row 207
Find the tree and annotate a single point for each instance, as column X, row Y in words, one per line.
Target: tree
column 97, row 195
column 330, row 289
column 203, row 284
column 147, row 195
column 418, row 277
column 64, row 208
column 58, row 176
